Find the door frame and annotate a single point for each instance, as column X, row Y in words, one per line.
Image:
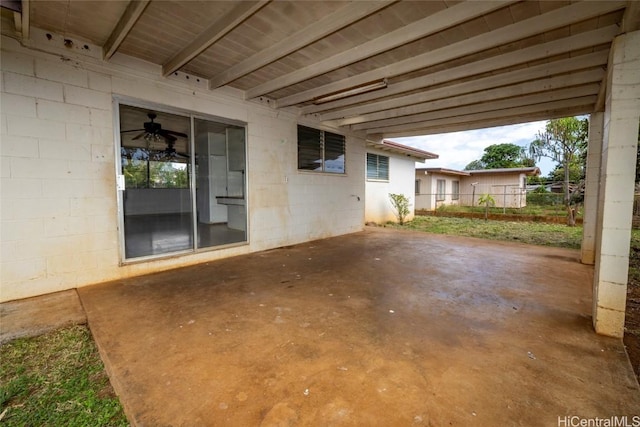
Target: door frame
column 118, row 100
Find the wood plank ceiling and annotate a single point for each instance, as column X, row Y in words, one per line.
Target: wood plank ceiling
column 441, row 65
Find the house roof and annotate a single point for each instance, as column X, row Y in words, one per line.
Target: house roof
column 443, row 171
column 422, row 67
column 529, row 171
column 397, row 148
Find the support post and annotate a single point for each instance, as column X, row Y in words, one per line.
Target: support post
column 617, row 182
column 592, row 188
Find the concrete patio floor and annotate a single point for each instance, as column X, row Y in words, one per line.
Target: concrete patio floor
column 381, row 327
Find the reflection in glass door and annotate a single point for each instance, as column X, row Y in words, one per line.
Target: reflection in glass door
column 158, row 157
column 156, row 200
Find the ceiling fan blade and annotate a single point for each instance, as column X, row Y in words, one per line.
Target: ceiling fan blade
column 139, row 136
column 132, row 130
column 172, row 132
column 169, row 139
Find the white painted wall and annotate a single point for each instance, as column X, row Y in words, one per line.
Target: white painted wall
column 59, row 201
column 378, row 207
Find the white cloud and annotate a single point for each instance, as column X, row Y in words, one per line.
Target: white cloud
column 457, row 149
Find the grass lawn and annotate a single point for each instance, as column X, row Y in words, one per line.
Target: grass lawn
column 557, row 210
column 534, row 233
column 56, row 379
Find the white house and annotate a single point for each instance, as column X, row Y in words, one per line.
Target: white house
column 437, row 187
column 390, row 169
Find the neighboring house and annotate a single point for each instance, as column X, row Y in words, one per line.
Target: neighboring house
column 437, row 187
column 390, row 169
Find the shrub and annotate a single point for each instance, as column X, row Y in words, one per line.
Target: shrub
column 400, row 203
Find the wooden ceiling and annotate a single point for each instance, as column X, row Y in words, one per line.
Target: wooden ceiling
column 447, row 65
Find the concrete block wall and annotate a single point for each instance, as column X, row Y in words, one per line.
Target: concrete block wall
column 59, row 209
column 378, row 207
column 617, row 182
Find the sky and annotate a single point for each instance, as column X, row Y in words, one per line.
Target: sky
column 457, row 149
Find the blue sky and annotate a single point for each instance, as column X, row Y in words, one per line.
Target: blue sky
column 457, row 149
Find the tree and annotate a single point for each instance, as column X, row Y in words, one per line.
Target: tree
column 564, row 141
column 576, row 173
column 475, row 165
column 499, row 156
column 487, row 200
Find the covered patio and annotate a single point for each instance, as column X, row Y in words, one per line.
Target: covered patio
column 276, row 104
column 378, row 327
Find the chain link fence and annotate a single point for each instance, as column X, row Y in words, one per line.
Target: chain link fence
column 505, row 202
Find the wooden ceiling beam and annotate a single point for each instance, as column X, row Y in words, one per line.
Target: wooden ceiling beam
column 631, row 17
column 22, row 20
column 331, row 23
column 524, row 113
column 513, row 83
column 532, row 53
column 540, row 24
column 432, row 24
column 132, row 13
column 391, row 125
column 505, row 120
column 12, row 5
column 220, row 28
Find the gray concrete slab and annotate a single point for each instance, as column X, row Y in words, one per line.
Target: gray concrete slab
column 381, row 327
column 37, row 315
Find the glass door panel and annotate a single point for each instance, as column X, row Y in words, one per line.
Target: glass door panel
column 220, row 183
column 157, row 201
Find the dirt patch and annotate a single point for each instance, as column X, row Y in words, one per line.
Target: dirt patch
column 632, row 319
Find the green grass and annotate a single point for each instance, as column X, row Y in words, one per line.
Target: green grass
column 534, row 233
column 56, row 379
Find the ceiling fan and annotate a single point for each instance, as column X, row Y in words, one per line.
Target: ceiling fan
column 153, row 131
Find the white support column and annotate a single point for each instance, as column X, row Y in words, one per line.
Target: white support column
column 592, row 188
column 619, row 145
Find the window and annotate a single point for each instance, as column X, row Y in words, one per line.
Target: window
column 417, row 186
column 440, row 190
column 377, row 167
column 320, row 151
column 455, row 190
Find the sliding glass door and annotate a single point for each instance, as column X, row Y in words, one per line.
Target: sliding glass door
column 184, row 182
